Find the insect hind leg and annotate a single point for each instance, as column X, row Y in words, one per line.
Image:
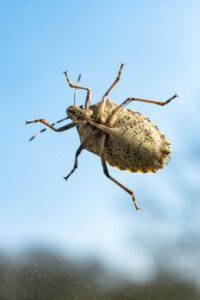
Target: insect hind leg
column 106, row 172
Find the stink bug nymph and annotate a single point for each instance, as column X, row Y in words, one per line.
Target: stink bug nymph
column 122, row 138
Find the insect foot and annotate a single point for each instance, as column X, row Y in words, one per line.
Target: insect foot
column 28, row 122
column 66, row 177
column 35, row 121
column 134, row 202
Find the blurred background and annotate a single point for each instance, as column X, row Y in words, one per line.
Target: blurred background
column 82, row 239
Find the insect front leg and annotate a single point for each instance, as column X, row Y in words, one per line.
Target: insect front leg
column 43, row 121
column 78, row 152
column 76, row 86
column 106, row 172
column 104, row 98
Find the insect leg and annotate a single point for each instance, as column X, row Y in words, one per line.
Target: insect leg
column 105, row 170
column 45, row 129
column 161, row 103
column 128, row 100
column 78, row 152
column 104, row 98
column 43, row 121
column 76, row 86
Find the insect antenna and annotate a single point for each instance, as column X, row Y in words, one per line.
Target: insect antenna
column 78, row 80
column 46, row 128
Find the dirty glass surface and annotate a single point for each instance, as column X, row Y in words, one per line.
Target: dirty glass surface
column 83, row 239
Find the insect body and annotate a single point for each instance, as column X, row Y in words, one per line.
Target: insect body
column 122, row 138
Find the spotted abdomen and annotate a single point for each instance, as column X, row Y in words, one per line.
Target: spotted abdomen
column 139, row 146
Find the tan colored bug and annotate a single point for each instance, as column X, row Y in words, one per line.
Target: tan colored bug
column 123, row 138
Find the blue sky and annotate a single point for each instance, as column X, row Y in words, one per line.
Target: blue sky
column 159, row 43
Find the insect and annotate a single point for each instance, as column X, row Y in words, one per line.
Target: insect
column 121, row 137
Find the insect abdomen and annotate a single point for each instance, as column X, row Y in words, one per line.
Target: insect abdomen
column 140, row 146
